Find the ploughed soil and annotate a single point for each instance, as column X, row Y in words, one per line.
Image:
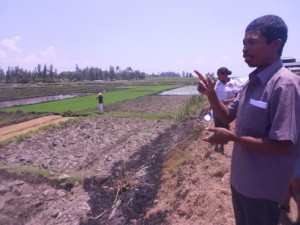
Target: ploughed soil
column 31, row 125
column 114, row 170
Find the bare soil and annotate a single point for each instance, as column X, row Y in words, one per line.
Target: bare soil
column 31, row 125
column 113, row 170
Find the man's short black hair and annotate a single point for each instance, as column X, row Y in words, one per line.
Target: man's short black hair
column 272, row 28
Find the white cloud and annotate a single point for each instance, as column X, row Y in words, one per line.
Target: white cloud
column 30, row 61
column 11, row 44
column 49, row 53
column 32, row 58
column 48, row 56
column 2, row 54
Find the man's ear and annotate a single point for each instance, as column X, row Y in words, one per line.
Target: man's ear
column 277, row 44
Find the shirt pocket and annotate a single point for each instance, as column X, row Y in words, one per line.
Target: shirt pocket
column 256, row 121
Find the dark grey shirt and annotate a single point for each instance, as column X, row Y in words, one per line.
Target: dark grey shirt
column 267, row 106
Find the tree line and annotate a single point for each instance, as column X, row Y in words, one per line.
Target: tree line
column 48, row 74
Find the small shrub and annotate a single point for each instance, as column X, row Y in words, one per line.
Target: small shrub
column 194, row 102
column 42, row 172
column 75, row 178
column 22, row 137
column 67, row 113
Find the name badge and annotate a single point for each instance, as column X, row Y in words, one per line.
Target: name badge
column 259, row 104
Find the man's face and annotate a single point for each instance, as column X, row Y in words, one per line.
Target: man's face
column 257, row 52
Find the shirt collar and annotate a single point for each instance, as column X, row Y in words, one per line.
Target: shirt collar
column 266, row 73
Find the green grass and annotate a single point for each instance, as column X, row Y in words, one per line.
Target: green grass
column 75, row 178
column 42, row 172
column 195, row 101
column 145, row 116
column 22, row 91
column 89, row 102
column 25, row 169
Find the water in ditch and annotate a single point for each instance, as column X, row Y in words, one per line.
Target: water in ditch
column 29, row 101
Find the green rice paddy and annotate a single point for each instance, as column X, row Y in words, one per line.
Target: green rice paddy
column 89, row 102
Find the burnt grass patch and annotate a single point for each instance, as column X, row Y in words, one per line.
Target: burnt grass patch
column 125, row 196
column 129, row 196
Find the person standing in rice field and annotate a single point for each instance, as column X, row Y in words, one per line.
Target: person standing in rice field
column 100, row 99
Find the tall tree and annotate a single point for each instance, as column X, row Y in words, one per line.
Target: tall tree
column 51, row 73
column 111, row 73
column 39, row 72
column 8, row 75
column 44, row 74
column 2, row 75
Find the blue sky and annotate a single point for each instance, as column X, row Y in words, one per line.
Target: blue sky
column 148, row 35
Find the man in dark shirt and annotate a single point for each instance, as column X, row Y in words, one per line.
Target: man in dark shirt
column 266, row 139
column 100, row 102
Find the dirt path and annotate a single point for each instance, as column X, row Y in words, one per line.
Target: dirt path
column 25, row 127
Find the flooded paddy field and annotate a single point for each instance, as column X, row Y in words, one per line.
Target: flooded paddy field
column 29, row 101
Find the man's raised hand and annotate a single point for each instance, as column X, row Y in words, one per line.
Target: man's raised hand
column 205, row 85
